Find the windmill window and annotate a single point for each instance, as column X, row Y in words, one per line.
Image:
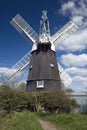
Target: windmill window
column 30, row 67
column 51, row 65
column 40, row 84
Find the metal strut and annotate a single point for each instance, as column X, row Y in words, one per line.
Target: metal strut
column 44, row 34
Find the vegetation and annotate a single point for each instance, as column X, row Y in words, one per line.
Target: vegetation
column 22, row 86
column 67, row 121
column 69, row 91
column 50, row 102
column 29, row 121
column 20, row 121
column 14, row 100
column 57, row 101
column 17, row 105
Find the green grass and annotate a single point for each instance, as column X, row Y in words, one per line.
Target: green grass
column 68, row 121
column 29, row 121
column 20, row 121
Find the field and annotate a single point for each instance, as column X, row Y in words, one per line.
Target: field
column 29, row 121
column 68, row 121
column 20, row 121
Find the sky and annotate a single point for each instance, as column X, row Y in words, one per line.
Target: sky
column 71, row 53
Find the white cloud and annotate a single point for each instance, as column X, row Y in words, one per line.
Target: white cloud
column 67, row 6
column 77, row 42
column 78, row 20
column 75, row 8
column 6, row 71
column 77, row 11
column 77, row 71
column 17, row 76
column 74, row 60
column 79, row 84
column 80, row 79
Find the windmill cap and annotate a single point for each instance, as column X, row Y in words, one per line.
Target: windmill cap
column 34, row 47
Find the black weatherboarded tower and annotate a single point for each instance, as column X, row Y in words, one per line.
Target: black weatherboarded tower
column 43, row 73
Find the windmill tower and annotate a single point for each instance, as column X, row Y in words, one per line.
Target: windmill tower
column 44, row 72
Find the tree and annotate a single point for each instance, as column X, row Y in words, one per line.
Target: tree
column 69, row 91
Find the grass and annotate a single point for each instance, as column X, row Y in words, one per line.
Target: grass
column 29, row 121
column 20, row 121
column 68, row 121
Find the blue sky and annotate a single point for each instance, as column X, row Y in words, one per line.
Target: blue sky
column 12, row 45
column 72, row 53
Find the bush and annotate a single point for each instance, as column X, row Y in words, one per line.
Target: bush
column 51, row 101
column 3, row 113
column 14, row 100
column 56, row 101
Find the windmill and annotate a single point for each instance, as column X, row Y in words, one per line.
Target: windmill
column 44, row 72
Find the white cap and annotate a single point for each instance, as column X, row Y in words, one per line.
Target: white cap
column 34, row 47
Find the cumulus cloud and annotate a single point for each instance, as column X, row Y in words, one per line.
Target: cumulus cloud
column 81, row 82
column 74, row 60
column 75, row 7
column 81, row 79
column 77, row 11
column 3, row 74
column 67, row 7
column 78, row 20
column 77, row 42
column 77, row 71
column 76, row 63
column 6, row 71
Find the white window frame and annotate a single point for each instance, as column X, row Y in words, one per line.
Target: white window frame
column 40, row 84
column 30, row 67
column 51, row 65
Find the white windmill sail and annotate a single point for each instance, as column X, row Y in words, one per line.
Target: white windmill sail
column 64, row 32
column 24, row 28
column 20, row 65
column 65, row 78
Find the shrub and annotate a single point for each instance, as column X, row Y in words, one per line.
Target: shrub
column 57, row 101
column 14, row 100
column 51, row 101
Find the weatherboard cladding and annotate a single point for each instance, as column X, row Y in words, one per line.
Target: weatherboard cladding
column 48, row 85
column 43, row 66
column 40, row 65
